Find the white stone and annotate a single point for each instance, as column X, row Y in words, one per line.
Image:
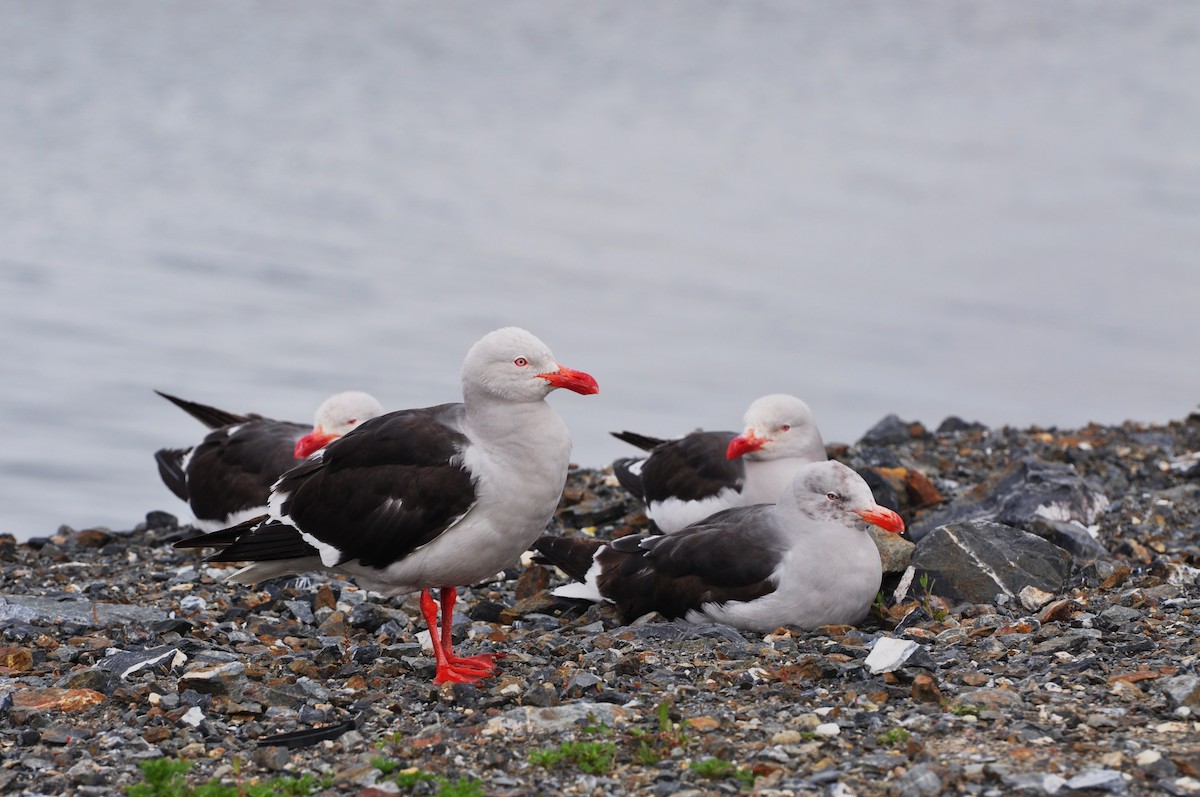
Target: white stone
column 1033, row 598
column 193, row 603
column 1097, row 779
column 828, row 729
column 1147, row 757
column 1052, row 784
column 888, row 654
column 193, row 717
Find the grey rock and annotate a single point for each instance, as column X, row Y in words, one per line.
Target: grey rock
column 352, row 597
column 538, row 696
column 1055, row 491
column 90, row 614
column 1028, row 492
column 988, row 697
column 921, row 780
column 1181, row 690
column 314, row 690
column 88, row 773
column 954, row 425
column 1071, row 641
column 63, row 734
column 1032, row 783
column 157, row 519
column 1098, row 779
column 302, row 611
column 890, row 430
column 1114, row 616
column 228, row 679
column 94, row 678
column 581, row 682
column 272, row 758
column 976, row 560
column 193, row 603
column 364, row 654
column 368, row 616
column 1071, row 536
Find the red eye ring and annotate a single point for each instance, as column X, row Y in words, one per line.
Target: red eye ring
column 832, row 496
column 785, row 427
column 520, row 362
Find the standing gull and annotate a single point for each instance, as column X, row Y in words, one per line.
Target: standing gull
column 428, row 498
column 685, row 480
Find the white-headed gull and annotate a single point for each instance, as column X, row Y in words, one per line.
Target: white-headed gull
column 806, row 561
column 227, row 477
column 685, row 480
column 426, row 498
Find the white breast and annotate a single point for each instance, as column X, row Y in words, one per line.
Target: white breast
column 518, row 487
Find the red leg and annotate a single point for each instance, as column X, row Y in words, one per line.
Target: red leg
column 459, row 669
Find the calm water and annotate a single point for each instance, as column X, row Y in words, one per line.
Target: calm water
column 986, row 210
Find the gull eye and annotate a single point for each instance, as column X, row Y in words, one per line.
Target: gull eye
column 833, row 496
column 520, row 362
column 785, row 427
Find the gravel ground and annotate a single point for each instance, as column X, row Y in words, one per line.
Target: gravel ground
column 116, row 649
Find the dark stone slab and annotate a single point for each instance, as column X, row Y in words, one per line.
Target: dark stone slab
column 127, row 662
column 977, row 560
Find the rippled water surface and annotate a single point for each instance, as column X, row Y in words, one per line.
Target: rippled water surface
column 989, row 210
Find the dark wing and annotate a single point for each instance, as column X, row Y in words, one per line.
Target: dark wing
column 170, row 468
column 728, row 557
column 211, row 417
column 224, row 537
column 642, row 441
column 264, row 541
column 233, row 468
column 691, row 468
column 388, row 487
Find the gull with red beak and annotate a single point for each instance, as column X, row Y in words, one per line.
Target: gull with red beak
column 685, row 480
column 429, row 498
column 805, row 561
column 227, row 477
column 336, row 416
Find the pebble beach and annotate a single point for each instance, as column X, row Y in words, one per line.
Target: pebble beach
column 1036, row 635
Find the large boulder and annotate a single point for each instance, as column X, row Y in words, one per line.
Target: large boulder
column 977, row 560
column 1027, row 493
